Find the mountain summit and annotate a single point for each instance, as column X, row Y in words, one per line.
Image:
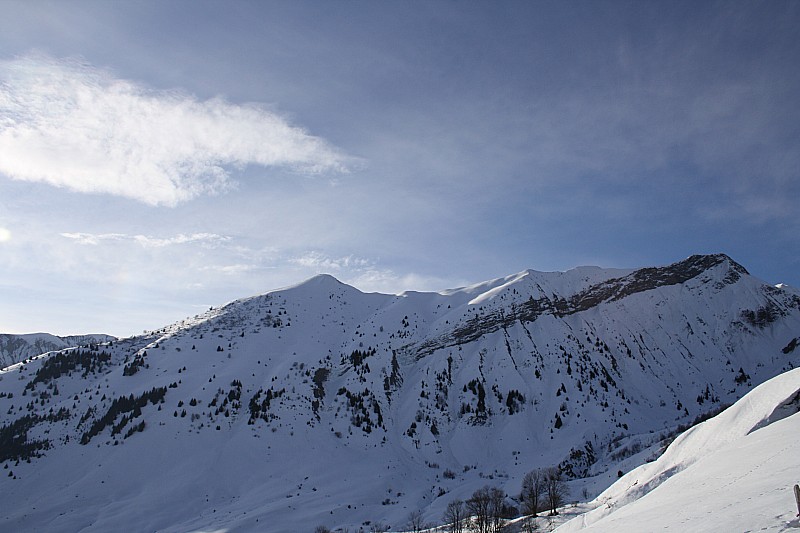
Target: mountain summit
column 320, row 404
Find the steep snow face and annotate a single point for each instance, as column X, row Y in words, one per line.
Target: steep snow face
column 320, row 404
column 15, row 348
column 734, row 472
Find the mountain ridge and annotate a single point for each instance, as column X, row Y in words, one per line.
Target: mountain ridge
column 17, row 347
column 366, row 406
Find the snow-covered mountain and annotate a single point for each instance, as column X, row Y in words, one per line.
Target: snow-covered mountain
column 320, row 404
column 734, row 472
column 16, row 348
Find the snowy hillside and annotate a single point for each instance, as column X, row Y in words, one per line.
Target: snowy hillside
column 734, row 472
column 320, row 404
column 16, row 348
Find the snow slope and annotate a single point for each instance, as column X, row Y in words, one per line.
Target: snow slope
column 320, row 404
column 734, row 472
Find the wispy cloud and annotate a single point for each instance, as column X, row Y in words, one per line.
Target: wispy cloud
column 234, row 269
column 212, row 261
column 367, row 274
column 388, row 281
column 145, row 241
column 319, row 261
column 69, row 124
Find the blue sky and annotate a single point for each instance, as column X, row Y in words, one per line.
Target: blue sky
column 157, row 158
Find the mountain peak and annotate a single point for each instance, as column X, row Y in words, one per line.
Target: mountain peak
column 322, row 279
column 319, row 282
column 708, row 261
column 682, row 271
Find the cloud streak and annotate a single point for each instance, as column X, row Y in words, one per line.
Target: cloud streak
column 366, row 274
column 69, row 124
column 209, row 239
column 212, row 261
column 323, row 263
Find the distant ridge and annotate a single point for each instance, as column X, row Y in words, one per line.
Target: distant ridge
column 15, row 348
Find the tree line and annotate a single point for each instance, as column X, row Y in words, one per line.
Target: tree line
column 543, row 490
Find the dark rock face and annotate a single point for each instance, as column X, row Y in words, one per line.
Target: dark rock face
column 641, row 280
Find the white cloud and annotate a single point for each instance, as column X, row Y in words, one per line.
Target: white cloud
column 367, row 275
column 389, row 282
column 209, row 239
column 93, row 239
column 319, row 261
column 66, row 123
column 234, row 269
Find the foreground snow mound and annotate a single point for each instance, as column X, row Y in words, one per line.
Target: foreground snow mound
column 734, row 472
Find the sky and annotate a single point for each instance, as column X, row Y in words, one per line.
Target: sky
column 161, row 157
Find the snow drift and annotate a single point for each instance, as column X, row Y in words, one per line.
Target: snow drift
column 734, row 472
